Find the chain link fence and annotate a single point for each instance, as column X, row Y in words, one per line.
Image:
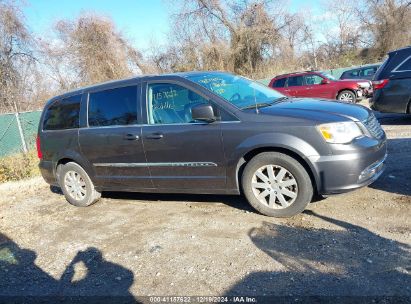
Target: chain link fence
column 18, row 132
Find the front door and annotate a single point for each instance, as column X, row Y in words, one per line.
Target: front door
column 181, row 153
column 315, row 87
column 112, row 141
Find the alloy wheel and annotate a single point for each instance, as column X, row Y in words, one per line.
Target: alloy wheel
column 75, row 185
column 274, row 186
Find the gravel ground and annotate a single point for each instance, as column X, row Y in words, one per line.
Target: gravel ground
column 356, row 244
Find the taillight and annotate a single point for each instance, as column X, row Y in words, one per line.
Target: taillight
column 379, row 84
column 38, row 146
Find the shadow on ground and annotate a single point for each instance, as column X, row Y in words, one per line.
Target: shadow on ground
column 348, row 261
column 397, row 175
column 103, row 280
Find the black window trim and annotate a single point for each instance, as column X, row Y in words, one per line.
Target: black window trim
column 58, row 99
column 184, row 85
column 113, row 87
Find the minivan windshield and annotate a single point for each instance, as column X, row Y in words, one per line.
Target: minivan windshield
column 239, row 91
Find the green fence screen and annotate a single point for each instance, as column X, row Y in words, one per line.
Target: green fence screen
column 11, row 139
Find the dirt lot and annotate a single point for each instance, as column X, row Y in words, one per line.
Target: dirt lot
column 139, row 244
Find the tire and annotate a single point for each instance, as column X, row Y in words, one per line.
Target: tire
column 71, row 171
column 295, row 173
column 347, row 96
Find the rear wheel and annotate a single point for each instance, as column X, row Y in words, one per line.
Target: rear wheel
column 77, row 185
column 276, row 184
column 347, row 96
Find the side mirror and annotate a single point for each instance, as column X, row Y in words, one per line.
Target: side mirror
column 325, row 81
column 203, row 112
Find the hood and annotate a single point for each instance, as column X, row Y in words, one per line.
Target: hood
column 317, row 109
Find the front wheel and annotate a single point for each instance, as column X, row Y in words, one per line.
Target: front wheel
column 347, row 96
column 276, row 184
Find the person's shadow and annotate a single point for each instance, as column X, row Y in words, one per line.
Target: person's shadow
column 102, row 277
column 348, row 261
column 100, row 280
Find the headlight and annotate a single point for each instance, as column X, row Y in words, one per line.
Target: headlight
column 340, row 132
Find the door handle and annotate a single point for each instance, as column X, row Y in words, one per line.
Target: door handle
column 130, row 136
column 155, row 136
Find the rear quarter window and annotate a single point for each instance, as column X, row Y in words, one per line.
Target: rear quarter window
column 63, row 114
column 404, row 66
column 279, row 83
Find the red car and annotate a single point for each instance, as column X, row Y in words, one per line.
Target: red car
column 320, row 85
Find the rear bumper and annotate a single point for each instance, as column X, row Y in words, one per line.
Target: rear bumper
column 389, row 102
column 47, row 171
column 360, row 166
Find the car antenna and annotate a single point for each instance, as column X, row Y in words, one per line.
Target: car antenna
column 255, row 102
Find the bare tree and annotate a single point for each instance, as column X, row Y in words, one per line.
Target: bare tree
column 387, row 24
column 16, row 57
column 90, row 49
column 238, row 36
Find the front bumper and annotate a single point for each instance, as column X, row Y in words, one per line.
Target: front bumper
column 359, row 94
column 351, row 166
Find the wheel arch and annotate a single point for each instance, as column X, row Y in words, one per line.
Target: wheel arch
column 285, row 150
column 76, row 158
column 346, row 89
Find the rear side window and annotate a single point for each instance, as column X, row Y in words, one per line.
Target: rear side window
column 351, row 74
column 113, row 107
column 63, row 114
column 295, row 81
column 368, row 71
column 279, row 83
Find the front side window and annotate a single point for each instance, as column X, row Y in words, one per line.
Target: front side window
column 171, row 103
column 239, row 91
column 313, row 79
column 114, row 107
column 63, row 114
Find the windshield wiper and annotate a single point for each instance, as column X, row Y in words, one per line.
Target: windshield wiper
column 257, row 105
column 265, row 104
column 280, row 99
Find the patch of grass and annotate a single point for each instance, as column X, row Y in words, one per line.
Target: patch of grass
column 19, row 166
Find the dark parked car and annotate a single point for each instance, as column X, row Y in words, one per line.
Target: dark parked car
column 363, row 72
column 206, row 132
column 392, row 83
column 320, row 85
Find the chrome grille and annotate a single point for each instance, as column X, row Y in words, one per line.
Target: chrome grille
column 374, row 127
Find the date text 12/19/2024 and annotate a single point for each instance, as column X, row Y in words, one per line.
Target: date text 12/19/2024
column 202, row 299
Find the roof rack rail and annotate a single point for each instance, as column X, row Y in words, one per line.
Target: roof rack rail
column 289, row 73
